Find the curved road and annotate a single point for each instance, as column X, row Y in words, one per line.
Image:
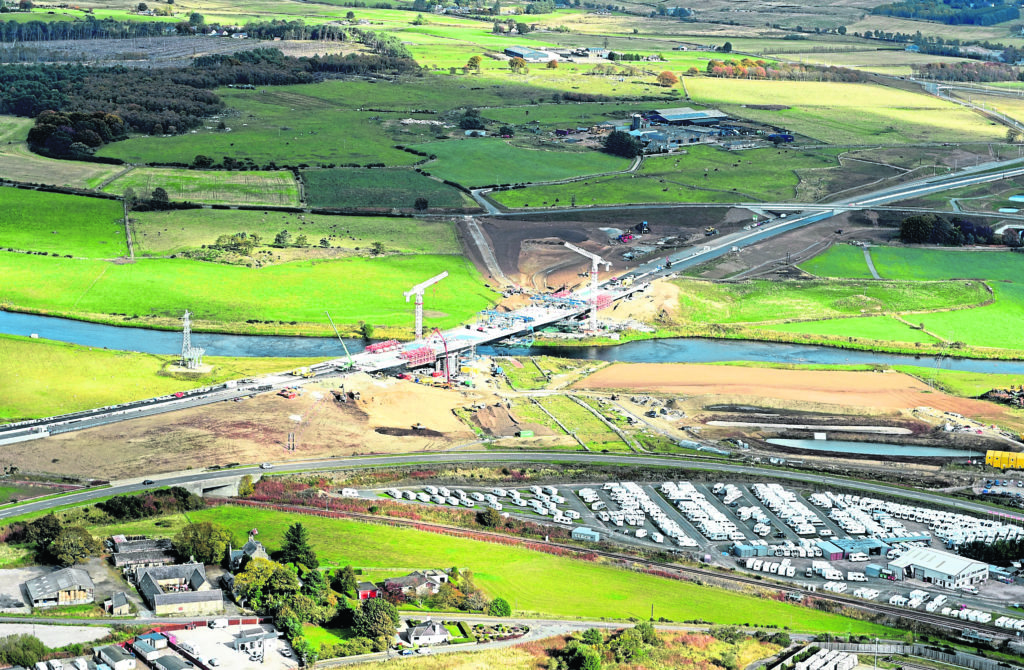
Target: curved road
column 177, row 479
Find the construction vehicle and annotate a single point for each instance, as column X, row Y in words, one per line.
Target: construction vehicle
column 288, row 393
column 626, row 237
column 302, row 372
column 642, row 228
column 710, row 230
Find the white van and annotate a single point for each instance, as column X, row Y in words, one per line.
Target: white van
column 219, row 623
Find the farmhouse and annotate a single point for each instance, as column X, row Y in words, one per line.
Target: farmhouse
column 939, row 567
column 251, row 549
column 175, row 589
column 429, row 632
column 70, row 586
column 367, row 590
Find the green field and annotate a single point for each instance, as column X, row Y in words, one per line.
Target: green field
column 764, row 301
column 588, row 427
column 45, row 378
column 378, row 189
column 160, row 233
column 533, row 582
column 231, row 298
column 61, row 224
column 839, row 113
column 482, row 161
column 997, row 325
column 212, row 187
column 841, row 260
column 881, row 328
column 17, row 163
column 702, row 174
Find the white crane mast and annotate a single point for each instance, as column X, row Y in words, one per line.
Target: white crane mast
column 595, row 260
column 417, row 291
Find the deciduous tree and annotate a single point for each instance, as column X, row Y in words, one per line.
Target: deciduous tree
column 207, row 542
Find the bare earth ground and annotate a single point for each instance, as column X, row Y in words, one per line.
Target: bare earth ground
column 869, row 392
column 529, row 251
column 256, row 430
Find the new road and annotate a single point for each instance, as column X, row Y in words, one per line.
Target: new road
column 179, row 479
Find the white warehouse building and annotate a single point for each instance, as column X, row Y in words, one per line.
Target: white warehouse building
column 939, row 567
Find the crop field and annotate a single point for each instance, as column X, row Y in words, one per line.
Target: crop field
column 702, row 174
column 350, row 187
column 61, row 224
column 997, row 325
column 222, row 297
column 880, row 328
column 45, row 378
column 840, row 113
column 17, row 163
column 162, row 233
column 533, row 582
column 767, row 301
column 212, row 187
column 842, row 260
column 999, row 32
column 482, row 161
column 889, row 61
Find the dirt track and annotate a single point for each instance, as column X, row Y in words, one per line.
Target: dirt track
column 869, row 392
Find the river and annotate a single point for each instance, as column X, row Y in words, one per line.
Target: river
column 673, row 350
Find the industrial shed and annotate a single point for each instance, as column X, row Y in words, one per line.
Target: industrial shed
column 939, row 567
column 70, row 586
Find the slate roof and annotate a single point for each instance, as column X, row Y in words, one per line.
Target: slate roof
column 429, row 628
column 48, row 586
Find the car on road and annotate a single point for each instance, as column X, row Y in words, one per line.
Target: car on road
column 148, row 482
column 286, row 652
column 265, row 466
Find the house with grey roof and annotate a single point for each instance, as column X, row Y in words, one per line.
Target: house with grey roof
column 179, row 589
column 70, row 586
column 429, row 632
column 118, row 604
column 171, row 662
column 418, row 584
column 251, row 549
column 129, row 553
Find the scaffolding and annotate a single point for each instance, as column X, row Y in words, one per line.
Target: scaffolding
column 417, row 357
column 381, row 347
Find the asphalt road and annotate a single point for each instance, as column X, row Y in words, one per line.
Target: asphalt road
column 130, row 486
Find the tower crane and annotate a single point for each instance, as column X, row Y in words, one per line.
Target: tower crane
column 417, row 291
column 595, row 260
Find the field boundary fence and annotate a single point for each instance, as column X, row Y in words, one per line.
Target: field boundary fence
column 959, row 658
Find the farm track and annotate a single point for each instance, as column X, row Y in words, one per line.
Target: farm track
column 699, row 573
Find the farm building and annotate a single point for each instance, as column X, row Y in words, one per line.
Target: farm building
column 70, row 586
column 133, row 552
column 939, row 567
column 687, row 116
column 529, row 55
column 429, row 632
column 584, row 533
column 367, row 590
column 179, row 589
column 114, row 657
column 118, row 604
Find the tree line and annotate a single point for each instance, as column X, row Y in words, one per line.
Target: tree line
column 973, row 71
column 761, row 69
column 934, row 229
column 950, row 12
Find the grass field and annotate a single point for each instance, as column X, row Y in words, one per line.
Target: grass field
column 160, row 233
column 588, row 427
column 61, row 224
column 841, row 260
column 378, row 189
column 762, row 301
column 19, row 164
column 227, row 298
column 532, row 582
column 702, row 174
column 961, row 383
column 212, row 187
column 46, row 378
column 882, row 328
column 482, row 161
column 839, row 113
column 996, row 325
